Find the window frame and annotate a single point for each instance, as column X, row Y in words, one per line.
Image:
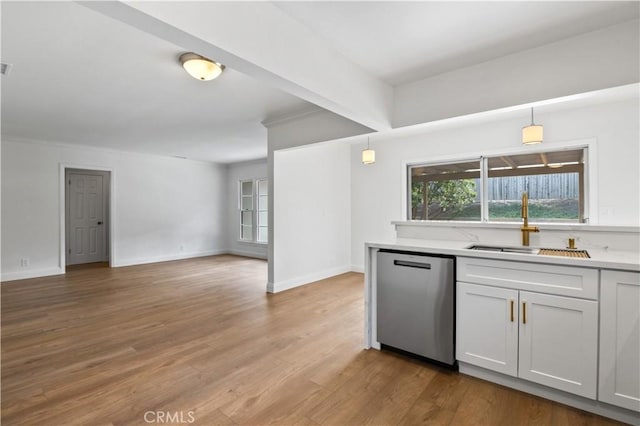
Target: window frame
column 258, row 210
column 589, row 203
column 255, row 182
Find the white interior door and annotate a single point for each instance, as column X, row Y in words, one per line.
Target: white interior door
column 85, row 219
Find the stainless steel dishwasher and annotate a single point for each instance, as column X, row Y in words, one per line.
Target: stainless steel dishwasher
column 415, row 304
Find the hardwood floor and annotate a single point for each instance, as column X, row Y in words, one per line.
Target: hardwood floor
column 199, row 341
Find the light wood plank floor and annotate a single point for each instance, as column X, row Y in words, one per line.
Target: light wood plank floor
column 200, row 338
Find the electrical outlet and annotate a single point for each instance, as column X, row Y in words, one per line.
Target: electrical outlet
column 24, row 262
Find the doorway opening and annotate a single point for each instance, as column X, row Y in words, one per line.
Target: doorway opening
column 87, row 218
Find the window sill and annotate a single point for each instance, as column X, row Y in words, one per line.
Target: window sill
column 255, row 243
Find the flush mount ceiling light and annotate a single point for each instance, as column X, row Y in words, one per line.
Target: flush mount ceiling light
column 368, row 155
column 532, row 134
column 200, row 67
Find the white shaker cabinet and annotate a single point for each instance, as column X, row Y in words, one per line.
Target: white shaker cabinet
column 503, row 326
column 487, row 322
column 559, row 342
column 619, row 382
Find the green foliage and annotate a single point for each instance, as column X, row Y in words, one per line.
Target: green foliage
column 453, row 195
column 445, row 198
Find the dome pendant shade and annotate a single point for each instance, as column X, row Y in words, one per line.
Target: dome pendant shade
column 200, row 67
column 532, row 134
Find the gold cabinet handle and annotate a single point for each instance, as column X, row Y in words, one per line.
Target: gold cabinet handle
column 524, row 312
column 512, row 303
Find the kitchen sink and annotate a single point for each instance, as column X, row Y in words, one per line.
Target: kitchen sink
column 531, row 250
column 525, row 250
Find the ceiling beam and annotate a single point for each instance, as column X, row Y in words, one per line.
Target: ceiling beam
column 543, row 157
column 260, row 40
column 509, row 162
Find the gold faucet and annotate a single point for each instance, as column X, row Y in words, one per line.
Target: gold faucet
column 525, row 228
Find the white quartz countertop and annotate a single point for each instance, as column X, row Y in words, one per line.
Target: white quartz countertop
column 604, row 259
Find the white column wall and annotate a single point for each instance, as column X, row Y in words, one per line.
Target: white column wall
column 311, row 214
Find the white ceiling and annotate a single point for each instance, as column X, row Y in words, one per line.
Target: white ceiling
column 403, row 41
column 81, row 77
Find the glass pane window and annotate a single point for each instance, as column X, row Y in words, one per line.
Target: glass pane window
column 491, row 188
column 445, row 191
column 247, row 203
column 263, row 187
column 263, row 234
column 553, row 182
column 247, row 188
column 246, row 210
column 247, row 233
column 253, row 200
column 263, row 207
column 247, row 218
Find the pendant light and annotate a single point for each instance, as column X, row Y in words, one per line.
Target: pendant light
column 532, row 134
column 199, row 67
column 368, row 155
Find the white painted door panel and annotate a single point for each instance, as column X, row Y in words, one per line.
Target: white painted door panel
column 620, row 339
column 487, row 330
column 86, row 235
column 558, row 342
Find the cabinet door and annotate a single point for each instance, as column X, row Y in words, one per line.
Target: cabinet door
column 620, row 339
column 487, row 327
column 559, row 342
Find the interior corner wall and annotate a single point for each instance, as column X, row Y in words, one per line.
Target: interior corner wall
column 311, row 211
column 165, row 208
column 378, row 190
column 600, row 59
column 235, row 173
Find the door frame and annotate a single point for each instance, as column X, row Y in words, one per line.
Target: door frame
column 63, row 210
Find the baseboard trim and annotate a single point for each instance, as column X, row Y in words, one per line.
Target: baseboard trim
column 277, row 287
column 166, row 258
column 592, row 406
column 248, row 254
column 36, row 273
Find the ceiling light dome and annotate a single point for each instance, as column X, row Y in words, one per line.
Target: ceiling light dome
column 200, row 67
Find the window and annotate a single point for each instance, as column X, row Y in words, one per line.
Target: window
column 446, row 191
column 252, row 202
column 263, row 214
column 490, row 188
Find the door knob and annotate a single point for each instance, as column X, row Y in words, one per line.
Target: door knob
column 100, row 223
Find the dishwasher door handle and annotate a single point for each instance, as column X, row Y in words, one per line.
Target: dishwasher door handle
column 410, row 264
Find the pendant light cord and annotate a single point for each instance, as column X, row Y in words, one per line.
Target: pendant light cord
column 532, row 116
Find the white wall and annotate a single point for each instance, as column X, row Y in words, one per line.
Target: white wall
column 311, row 211
column 236, row 172
column 378, row 190
column 307, row 128
column 601, row 59
column 165, row 208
